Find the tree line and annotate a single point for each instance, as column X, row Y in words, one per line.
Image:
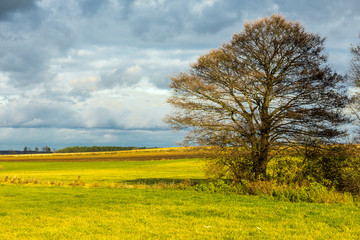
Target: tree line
column 75, row 149
column 44, row 149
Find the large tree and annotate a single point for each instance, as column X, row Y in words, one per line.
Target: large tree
column 268, row 87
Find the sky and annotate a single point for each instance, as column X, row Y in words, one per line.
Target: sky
column 97, row 72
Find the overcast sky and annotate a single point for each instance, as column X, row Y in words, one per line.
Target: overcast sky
column 96, row 72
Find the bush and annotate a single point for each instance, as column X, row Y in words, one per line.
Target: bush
column 286, row 170
column 314, row 192
column 335, row 166
column 350, row 176
column 229, row 163
column 320, row 169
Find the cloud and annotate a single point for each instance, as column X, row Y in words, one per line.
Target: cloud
column 122, row 76
column 9, row 7
column 82, row 88
column 24, row 65
column 90, row 7
column 140, row 106
column 28, row 112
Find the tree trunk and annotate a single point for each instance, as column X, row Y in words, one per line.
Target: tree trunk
column 260, row 161
column 260, row 165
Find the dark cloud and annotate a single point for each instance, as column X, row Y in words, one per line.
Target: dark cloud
column 91, row 7
column 9, row 7
column 320, row 11
column 212, row 18
column 25, row 65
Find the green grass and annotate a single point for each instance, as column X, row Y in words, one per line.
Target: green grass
column 101, row 213
column 106, row 172
column 41, row 211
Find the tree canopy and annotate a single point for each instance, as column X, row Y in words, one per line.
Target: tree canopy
column 268, row 87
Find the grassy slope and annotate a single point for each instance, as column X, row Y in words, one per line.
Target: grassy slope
column 100, row 213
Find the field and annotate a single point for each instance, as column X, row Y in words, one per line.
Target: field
column 114, row 202
column 132, row 155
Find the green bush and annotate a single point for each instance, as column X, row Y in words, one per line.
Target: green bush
column 350, row 176
column 312, row 192
column 286, row 170
column 317, row 174
column 336, row 167
column 229, row 163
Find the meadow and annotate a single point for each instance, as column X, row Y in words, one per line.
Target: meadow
column 115, row 200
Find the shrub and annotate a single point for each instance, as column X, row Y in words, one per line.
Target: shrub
column 312, row 192
column 335, row 166
column 229, row 163
column 286, row 170
column 350, row 176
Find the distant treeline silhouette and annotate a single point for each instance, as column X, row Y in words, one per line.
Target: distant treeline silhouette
column 11, row 152
column 95, row 149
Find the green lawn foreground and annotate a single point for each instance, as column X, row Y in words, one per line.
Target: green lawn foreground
column 39, row 211
column 30, row 212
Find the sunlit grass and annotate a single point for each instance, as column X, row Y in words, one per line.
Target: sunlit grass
column 101, row 210
column 100, row 213
column 119, row 171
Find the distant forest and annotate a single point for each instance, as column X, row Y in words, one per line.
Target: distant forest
column 95, row 149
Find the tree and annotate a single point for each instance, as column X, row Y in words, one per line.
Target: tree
column 355, row 80
column 46, row 149
column 269, row 87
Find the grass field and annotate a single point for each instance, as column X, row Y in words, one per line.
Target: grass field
column 102, row 213
column 41, row 211
column 106, row 172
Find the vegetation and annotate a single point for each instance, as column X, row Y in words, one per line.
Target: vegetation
column 54, row 198
column 291, row 179
column 95, row 149
column 103, row 213
column 102, row 172
column 268, row 88
column 45, row 149
column 164, row 199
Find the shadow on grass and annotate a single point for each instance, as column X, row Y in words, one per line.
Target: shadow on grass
column 152, row 181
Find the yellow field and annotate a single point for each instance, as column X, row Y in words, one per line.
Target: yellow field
column 132, row 155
